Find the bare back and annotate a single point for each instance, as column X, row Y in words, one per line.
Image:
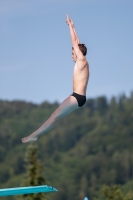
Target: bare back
column 80, row 77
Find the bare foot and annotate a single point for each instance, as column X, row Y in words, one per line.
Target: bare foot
column 28, row 139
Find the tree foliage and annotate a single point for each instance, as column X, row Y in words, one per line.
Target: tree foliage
column 114, row 192
column 90, row 147
column 33, row 175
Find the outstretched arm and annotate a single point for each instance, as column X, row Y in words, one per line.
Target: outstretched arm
column 74, row 39
column 73, row 34
column 76, row 35
column 74, row 30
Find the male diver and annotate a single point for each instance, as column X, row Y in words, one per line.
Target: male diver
column 80, row 80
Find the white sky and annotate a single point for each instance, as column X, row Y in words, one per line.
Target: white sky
column 35, row 48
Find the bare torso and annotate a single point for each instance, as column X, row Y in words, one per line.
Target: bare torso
column 80, row 77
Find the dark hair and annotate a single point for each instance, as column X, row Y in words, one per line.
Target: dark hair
column 82, row 48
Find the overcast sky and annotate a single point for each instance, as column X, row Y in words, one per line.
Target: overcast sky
column 35, row 48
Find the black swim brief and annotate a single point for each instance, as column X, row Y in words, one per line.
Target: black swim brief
column 81, row 99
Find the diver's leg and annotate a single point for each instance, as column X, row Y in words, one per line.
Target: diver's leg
column 66, row 107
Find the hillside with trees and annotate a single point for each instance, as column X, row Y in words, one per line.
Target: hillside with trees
column 89, row 148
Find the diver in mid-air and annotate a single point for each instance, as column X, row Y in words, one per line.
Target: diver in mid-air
column 80, row 80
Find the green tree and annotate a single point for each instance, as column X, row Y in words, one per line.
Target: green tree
column 114, row 192
column 33, row 176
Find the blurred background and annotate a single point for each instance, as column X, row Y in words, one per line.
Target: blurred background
column 89, row 153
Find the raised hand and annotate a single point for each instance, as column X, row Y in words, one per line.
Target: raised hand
column 69, row 21
column 72, row 24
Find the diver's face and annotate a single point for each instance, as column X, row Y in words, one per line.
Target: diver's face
column 74, row 57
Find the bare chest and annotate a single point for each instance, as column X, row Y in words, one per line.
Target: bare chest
column 80, row 71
